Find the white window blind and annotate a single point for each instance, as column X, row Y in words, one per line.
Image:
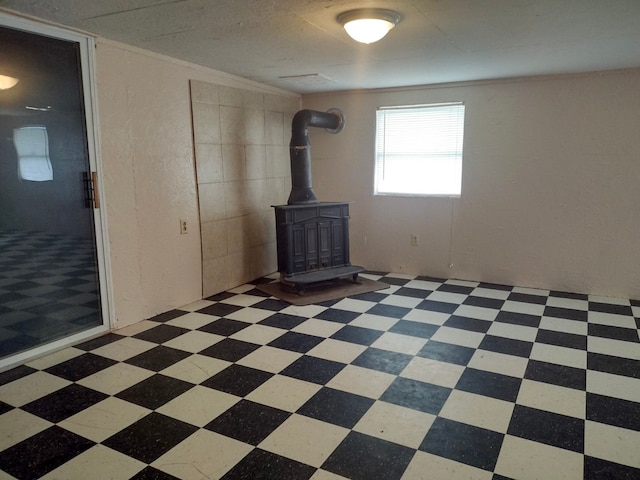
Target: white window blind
column 419, row 150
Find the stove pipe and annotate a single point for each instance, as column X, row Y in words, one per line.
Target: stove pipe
column 300, row 150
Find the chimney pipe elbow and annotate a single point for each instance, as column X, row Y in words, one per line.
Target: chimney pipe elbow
column 299, row 150
column 331, row 120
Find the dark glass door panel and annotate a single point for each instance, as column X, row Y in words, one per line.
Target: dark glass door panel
column 49, row 287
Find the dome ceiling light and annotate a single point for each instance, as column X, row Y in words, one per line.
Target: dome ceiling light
column 368, row 25
column 6, row 82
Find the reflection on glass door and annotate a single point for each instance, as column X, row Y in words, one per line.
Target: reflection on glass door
column 49, row 276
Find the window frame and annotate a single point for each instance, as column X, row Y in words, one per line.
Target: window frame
column 453, row 124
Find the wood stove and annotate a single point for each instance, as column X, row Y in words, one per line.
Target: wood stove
column 312, row 236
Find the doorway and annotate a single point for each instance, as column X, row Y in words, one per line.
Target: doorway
column 52, row 260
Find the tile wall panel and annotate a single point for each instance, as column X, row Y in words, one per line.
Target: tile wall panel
column 242, row 164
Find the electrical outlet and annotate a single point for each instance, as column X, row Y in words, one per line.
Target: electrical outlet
column 183, row 227
column 415, row 239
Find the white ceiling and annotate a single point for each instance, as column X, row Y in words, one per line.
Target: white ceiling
column 298, row 45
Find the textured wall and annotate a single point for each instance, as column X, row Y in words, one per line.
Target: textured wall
column 550, row 193
column 242, row 158
column 149, row 177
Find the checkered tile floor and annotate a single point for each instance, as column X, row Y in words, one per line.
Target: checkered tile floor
column 427, row 379
column 48, row 288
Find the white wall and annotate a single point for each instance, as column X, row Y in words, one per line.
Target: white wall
column 149, row 177
column 551, row 185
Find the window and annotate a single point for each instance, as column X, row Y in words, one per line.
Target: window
column 419, row 150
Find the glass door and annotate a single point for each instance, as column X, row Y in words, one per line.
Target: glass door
column 50, row 289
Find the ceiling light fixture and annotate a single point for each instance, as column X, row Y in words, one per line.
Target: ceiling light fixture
column 368, row 25
column 7, row 82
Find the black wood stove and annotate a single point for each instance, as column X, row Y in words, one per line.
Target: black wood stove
column 312, row 236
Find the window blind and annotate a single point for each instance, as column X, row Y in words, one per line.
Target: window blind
column 419, row 150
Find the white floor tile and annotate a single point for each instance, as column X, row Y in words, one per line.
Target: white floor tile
column 304, row 439
column 527, row 460
column 553, row 398
column 396, row 424
column 204, row 454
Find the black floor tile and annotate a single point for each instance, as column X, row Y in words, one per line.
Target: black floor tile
column 64, row 403
column 395, row 281
column 509, row 346
column 392, row 311
column 566, row 313
column 426, row 278
column 237, row 380
column 412, row 292
column 598, row 469
column 230, row 349
column 370, row 296
column 283, row 320
column 421, row 396
column 469, row 324
column 170, row 315
column 383, row 360
column 99, row 341
column 527, row 298
column 4, row 408
column 569, row 295
column 329, row 303
column 80, row 367
column 610, row 308
column 150, row 437
column 462, row 289
column 561, row 375
column 336, row 315
column 15, row 374
column 548, row 428
column 435, row 306
column 296, row 342
column 256, row 292
column 561, row 339
column 220, row 309
column 445, row 352
column 158, row 358
column 376, row 459
column 359, row 335
column 463, row 443
column 312, row 369
column 42, row 453
column 271, row 304
column 489, row 384
column 154, row 391
column 477, row 301
column 615, row 333
column 161, row 333
column 218, row 297
column 515, row 318
column 224, row 326
column 337, row 407
column 613, row 411
column 614, row 365
column 150, row 473
column 415, row 329
column 262, row 465
column 248, row 422
column 21, row 286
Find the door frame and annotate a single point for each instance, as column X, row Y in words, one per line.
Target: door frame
column 89, row 93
